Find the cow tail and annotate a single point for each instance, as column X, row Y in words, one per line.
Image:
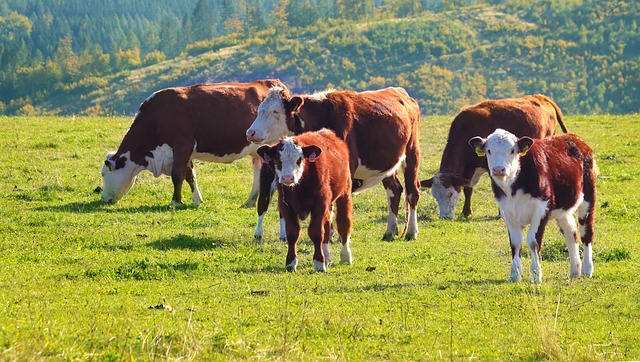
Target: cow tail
column 559, row 117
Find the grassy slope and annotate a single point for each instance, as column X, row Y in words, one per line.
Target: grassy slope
column 77, row 278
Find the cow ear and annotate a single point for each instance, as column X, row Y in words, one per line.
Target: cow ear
column 110, row 165
column 427, row 183
column 524, row 144
column 477, row 143
column 265, row 153
column 311, row 152
column 295, row 103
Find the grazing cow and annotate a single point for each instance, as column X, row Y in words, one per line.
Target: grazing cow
column 381, row 129
column 534, row 116
column 312, row 173
column 535, row 181
column 177, row 125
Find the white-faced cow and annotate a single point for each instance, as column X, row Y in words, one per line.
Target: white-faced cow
column 381, row 129
column 537, row 181
column 177, row 125
column 533, row 116
column 312, row 173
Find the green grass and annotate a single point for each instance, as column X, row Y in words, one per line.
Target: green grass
column 140, row 280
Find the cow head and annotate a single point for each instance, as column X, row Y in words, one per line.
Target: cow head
column 446, row 189
column 503, row 150
column 118, row 174
column 287, row 159
column 275, row 116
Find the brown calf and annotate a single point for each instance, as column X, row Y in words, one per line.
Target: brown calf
column 312, row 173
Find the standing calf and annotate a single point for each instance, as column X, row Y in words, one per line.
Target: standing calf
column 312, row 173
column 535, row 181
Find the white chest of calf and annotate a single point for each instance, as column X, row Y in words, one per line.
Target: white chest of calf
column 521, row 209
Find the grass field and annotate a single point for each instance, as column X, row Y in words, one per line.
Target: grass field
column 140, row 280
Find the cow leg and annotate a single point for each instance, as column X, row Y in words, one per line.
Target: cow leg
column 515, row 240
column 190, row 176
column 179, row 170
column 586, row 216
column 394, row 192
column 466, row 209
column 293, row 234
column 317, row 234
column 325, row 242
column 256, row 164
column 534, row 240
column 267, row 187
column 412, row 184
column 344, row 212
column 567, row 226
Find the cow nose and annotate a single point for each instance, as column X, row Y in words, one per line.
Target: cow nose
column 287, row 179
column 498, row 171
column 252, row 137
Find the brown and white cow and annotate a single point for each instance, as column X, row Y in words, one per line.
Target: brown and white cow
column 381, row 129
column 312, row 173
column 537, row 181
column 177, row 125
column 533, row 116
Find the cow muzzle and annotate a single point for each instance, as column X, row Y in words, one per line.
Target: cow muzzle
column 498, row 171
column 252, row 136
column 288, row 180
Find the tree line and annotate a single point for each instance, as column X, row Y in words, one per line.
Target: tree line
column 447, row 53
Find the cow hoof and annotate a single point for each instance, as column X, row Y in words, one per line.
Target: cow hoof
column 345, row 255
column 248, row 204
column 283, row 239
column 291, row 267
column 411, row 236
column 257, row 239
column 320, row 266
column 587, row 270
column 388, row 236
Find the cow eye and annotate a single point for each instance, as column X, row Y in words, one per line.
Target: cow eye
column 488, row 152
column 299, row 161
column 513, row 152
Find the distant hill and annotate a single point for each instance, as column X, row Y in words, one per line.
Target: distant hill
column 584, row 54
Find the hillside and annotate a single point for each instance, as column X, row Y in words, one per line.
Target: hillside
column 584, row 54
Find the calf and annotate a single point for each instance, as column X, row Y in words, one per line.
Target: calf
column 312, row 173
column 535, row 181
column 534, row 116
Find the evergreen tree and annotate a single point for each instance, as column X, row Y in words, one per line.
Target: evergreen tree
column 202, row 19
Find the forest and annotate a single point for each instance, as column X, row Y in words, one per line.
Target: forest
column 105, row 58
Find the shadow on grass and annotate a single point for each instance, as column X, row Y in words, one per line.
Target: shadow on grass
column 187, row 242
column 99, row 206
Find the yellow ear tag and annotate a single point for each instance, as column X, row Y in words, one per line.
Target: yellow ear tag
column 479, row 151
column 524, row 152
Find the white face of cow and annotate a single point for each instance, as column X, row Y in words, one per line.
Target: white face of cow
column 503, row 151
column 118, row 177
column 287, row 158
column 271, row 121
column 447, row 197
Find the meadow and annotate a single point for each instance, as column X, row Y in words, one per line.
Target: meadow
column 141, row 280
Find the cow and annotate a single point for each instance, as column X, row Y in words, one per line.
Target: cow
column 174, row 126
column 533, row 116
column 312, row 173
column 381, row 129
column 537, row 181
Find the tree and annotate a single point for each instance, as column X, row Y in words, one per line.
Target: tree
column 202, row 21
